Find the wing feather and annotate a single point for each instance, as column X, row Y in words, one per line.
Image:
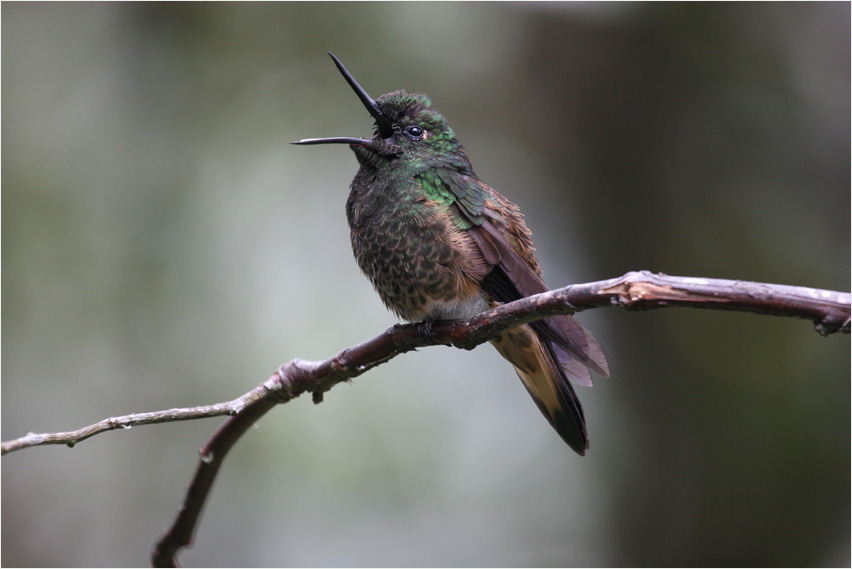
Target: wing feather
column 505, row 243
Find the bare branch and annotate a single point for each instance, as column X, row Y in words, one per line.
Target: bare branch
column 829, row 310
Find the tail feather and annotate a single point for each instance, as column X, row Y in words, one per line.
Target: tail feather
column 538, row 366
column 574, row 346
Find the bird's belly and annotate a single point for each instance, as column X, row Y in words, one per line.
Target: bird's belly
column 454, row 309
column 419, row 273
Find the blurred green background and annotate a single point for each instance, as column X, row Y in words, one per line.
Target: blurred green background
column 163, row 245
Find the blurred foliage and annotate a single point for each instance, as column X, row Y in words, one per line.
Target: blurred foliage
column 163, row 245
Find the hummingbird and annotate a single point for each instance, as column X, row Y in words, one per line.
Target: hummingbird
column 438, row 243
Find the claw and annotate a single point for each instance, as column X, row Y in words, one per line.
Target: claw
column 425, row 330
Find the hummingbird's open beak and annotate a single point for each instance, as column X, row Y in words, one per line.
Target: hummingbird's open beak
column 382, row 122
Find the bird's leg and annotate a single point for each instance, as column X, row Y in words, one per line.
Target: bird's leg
column 424, row 327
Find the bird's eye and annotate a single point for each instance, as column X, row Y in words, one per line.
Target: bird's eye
column 414, row 132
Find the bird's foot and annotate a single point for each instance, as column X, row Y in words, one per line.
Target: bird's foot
column 425, row 329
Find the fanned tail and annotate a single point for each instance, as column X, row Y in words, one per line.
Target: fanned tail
column 536, row 362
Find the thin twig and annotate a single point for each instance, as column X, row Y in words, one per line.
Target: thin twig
column 70, row 438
